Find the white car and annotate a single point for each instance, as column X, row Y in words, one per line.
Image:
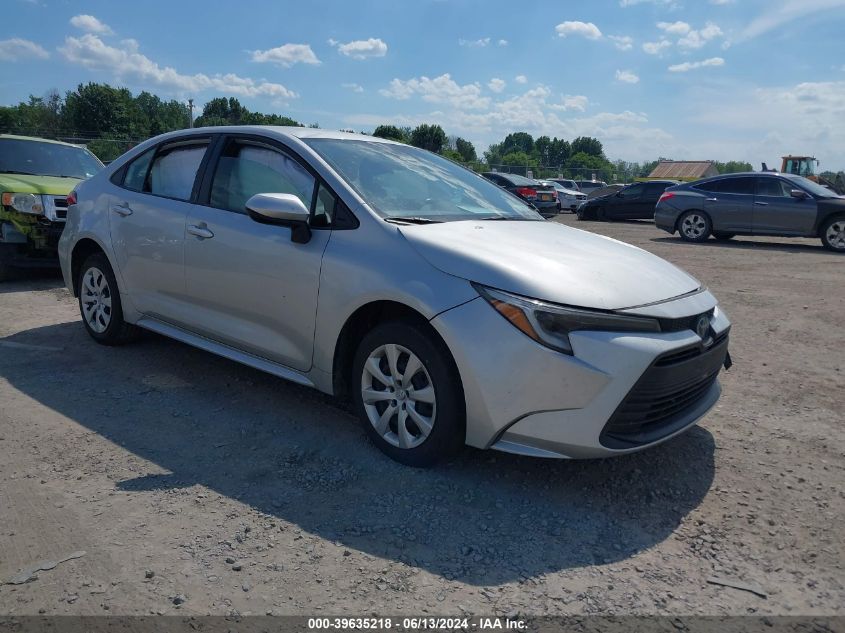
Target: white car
column 567, row 198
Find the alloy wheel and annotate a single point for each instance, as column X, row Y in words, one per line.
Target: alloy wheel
column 694, row 226
column 96, row 300
column 835, row 235
column 398, row 396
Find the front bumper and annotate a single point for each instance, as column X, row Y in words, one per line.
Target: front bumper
column 525, row 398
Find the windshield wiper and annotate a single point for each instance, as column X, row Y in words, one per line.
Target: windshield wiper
column 398, row 219
column 496, row 218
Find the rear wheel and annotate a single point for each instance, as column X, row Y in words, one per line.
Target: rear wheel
column 694, row 226
column 407, row 394
column 99, row 303
column 833, row 234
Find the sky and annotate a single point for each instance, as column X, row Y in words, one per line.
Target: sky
column 684, row 79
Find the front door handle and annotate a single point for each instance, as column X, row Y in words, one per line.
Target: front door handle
column 122, row 209
column 712, row 199
column 761, row 204
column 200, row 231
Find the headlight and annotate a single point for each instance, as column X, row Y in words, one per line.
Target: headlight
column 569, row 196
column 24, row 202
column 550, row 324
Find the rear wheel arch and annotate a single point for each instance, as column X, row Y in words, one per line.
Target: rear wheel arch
column 82, row 250
column 684, row 212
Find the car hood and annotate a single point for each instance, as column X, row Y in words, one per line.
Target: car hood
column 52, row 185
column 549, row 261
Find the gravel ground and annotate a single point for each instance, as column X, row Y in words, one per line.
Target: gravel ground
column 198, row 486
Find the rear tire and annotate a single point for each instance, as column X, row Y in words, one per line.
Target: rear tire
column 99, row 303
column 417, row 419
column 695, row 226
column 832, row 234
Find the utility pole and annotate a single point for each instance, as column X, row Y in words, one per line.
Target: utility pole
column 191, row 109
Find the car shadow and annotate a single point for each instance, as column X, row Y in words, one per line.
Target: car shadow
column 29, row 280
column 486, row 518
column 740, row 243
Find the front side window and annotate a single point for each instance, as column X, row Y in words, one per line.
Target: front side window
column 174, row 170
column 634, row 191
column 773, row 187
column 136, row 173
column 246, row 168
column 403, row 181
column 741, row 185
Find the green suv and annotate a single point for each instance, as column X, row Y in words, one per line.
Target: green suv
column 36, row 176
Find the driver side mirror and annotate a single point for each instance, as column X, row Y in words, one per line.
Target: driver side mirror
column 798, row 194
column 281, row 209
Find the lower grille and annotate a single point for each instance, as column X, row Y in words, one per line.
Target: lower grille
column 657, row 405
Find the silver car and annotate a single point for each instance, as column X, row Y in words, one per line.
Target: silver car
column 445, row 308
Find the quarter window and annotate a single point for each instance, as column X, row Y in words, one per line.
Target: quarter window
column 174, row 170
column 634, row 191
column 247, row 168
column 741, row 185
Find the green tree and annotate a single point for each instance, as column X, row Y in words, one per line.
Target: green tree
column 733, row 166
column 430, row 137
column 466, row 149
column 393, row 133
column 518, row 142
column 587, row 145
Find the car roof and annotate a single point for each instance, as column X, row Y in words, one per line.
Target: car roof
column 36, row 139
column 279, row 130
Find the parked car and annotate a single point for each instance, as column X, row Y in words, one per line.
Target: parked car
column 542, row 197
column 566, row 198
column 36, row 176
column 588, row 186
column 566, row 183
column 753, row 204
column 444, row 307
column 633, row 202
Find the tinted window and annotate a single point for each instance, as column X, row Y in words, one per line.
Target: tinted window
column 136, row 171
column 247, row 168
column 519, row 181
column 655, row 189
column 743, row 185
column 174, row 170
column 634, row 191
column 773, row 187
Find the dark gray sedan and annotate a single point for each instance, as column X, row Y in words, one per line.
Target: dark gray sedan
column 753, row 204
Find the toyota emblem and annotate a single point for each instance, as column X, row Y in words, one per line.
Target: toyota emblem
column 702, row 326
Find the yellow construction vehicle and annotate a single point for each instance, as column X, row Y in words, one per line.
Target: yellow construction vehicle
column 806, row 166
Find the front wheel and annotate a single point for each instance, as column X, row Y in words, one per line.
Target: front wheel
column 99, row 303
column 833, row 235
column 407, row 394
column 694, row 226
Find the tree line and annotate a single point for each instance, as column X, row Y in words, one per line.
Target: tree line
column 110, row 120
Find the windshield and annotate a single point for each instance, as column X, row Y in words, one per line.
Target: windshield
column 403, row 181
column 813, row 187
column 36, row 158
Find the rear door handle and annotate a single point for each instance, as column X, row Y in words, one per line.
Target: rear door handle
column 712, row 199
column 761, row 204
column 200, row 231
column 122, row 209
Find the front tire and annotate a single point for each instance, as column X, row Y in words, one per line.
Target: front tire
column 99, row 303
column 408, row 395
column 695, row 226
column 832, row 234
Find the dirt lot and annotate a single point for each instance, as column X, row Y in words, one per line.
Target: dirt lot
column 198, row 486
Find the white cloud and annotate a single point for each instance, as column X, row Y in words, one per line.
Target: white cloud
column 571, row 102
column 721, row 2
column 776, row 14
column 688, row 66
column 521, row 79
column 584, row 29
column 480, row 43
column 626, row 76
column 90, row 24
column 697, row 39
column 631, row 3
column 362, row 49
column 674, row 28
column 442, row 89
column 496, row 84
column 655, row 48
column 353, row 87
column 287, row 55
column 16, row 49
column 622, row 42
column 502, row 43
column 91, row 52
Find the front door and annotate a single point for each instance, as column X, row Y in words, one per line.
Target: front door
column 776, row 211
column 251, row 286
column 147, row 213
column 628, row 203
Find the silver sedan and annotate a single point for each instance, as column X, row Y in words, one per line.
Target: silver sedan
column 444, row 307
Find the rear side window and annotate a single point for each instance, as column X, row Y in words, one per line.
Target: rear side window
column 136, row 173
column 656, row 189
column 773, row 187
column 741, row 185
column 634, row 191
column 174, row 170
column 246, row 168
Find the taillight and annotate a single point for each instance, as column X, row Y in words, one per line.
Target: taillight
column 71, row 198
column 666, row 196
column 527, row 192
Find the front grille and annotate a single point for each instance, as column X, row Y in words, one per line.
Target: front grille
column 55, row 208
column 683, row 323
column 657, row 405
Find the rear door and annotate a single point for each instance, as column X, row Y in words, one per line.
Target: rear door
column 251, row 286
column 776, row 211
column 729, row 202
column 628, row 203
column 147, row 223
